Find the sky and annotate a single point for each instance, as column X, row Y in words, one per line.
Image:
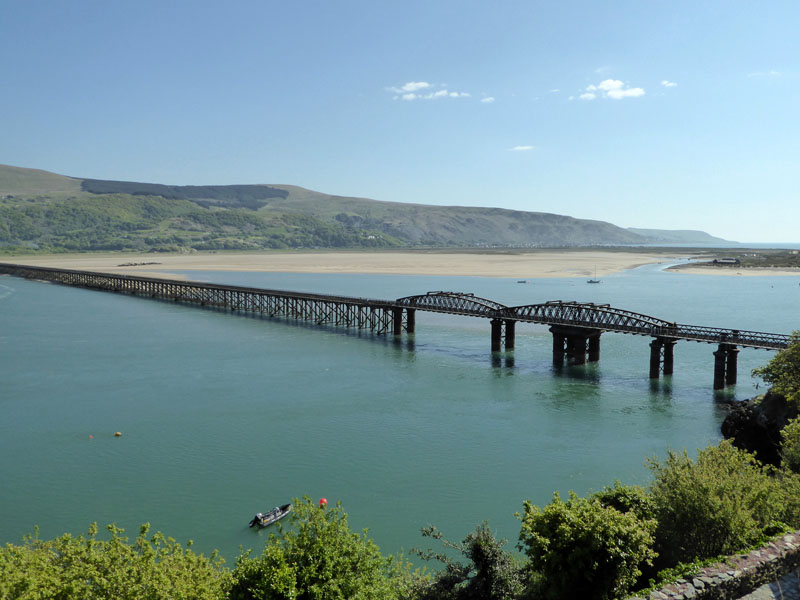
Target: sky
column 655, row 114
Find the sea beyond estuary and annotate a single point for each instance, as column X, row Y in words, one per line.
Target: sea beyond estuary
column 224, row 415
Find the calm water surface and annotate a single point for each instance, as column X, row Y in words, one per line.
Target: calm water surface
column 223, row 416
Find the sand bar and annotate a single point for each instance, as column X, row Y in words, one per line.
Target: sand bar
column 735, row 271
column 516, row 264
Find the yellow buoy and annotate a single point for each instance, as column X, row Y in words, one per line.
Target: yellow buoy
column 118, row 434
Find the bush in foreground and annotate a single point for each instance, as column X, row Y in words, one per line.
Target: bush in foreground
column 319, row 558
column 582, row 549
column 720, row 503
column 790, row 446
column 82, row 568
column 492, row 573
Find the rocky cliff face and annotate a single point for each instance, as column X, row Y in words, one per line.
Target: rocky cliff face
column 755, row 425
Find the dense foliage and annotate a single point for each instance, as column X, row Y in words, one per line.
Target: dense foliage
column 583, row 549
column 783, row 371
column 244, row 196
column 790, row 446
column 87, row 568
column 720, row 503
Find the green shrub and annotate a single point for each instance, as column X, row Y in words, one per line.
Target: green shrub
column 719, row 504
column 77, row 568
column 790, row 446
column 319, row 558
column 491, row 574
column 628, row 498
column 582, row 549
column 783, row 371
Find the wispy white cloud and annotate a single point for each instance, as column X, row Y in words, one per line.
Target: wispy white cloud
column 487, row 100
column 611, row 88
column 602, row 70
column 553, row 91
column 422, row 90
column 772, row 74
column 667, row 83
column 411, row 86
column 521, row 148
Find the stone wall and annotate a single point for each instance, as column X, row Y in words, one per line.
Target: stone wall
column 738, row 575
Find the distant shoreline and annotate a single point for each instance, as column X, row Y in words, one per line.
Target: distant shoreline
column 513, row 263
column 519, row 264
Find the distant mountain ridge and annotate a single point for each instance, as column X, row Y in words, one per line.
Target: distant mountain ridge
column 678, row 236
column 42, row 211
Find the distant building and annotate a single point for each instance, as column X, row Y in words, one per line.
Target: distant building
column 726, row 261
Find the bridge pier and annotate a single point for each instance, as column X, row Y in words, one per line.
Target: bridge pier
column 503, row 330
column 661, row 356
column 725, row 365
column 575, row 343
column 398, row 321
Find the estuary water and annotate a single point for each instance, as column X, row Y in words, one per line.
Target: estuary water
column 224, row 415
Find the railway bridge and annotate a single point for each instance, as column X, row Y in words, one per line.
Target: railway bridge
column 576, row 326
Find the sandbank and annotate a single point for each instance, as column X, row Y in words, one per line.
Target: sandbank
column 734, row 271
column 514, row 264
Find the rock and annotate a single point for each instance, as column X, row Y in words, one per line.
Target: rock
column 755, row 425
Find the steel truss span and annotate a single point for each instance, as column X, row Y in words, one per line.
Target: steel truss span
column 586, row 315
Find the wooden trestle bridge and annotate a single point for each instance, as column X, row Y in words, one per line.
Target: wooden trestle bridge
column 576, row 326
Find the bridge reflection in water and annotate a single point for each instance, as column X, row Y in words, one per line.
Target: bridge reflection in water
column 576, row 326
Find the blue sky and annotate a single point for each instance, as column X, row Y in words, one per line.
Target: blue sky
column 673, row 115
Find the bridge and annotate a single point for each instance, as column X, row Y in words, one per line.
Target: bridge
column 576, row 326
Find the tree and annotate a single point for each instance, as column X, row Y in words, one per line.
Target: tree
column 81, row 568
column 720, row 503
column 491, row 574
column 582, row 549
column 783, row 371
column 790, row 446
column 318, row 557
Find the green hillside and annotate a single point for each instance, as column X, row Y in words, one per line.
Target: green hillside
column 45, row 212
column 27, row 182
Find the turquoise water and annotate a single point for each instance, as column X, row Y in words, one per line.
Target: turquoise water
column 223, row 416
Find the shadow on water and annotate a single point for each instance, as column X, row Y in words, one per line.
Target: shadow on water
column 588, row 373
column 661, row 387
column 503, row 364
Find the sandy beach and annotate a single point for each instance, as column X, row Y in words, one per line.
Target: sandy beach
column 516, row 264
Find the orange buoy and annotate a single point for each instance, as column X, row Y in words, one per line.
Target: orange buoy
column 91, row 436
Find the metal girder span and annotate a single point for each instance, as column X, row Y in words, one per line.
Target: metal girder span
column 456, row 303
column 598, row 316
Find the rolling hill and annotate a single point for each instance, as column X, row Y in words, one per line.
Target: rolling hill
column 47, row 212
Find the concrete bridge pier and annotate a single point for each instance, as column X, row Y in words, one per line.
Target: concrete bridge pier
column 575, row 343
column 725, row 365
column 661, row 356
column 503, row 330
